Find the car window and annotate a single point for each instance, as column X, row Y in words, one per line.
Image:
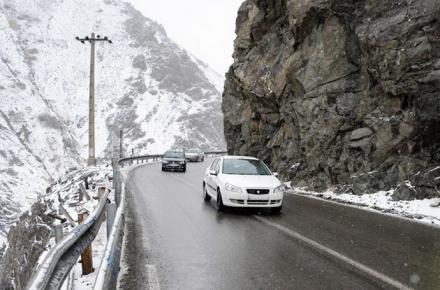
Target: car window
column 174, row 154
column 214, row 163
column 245, row 167
column 217, row 166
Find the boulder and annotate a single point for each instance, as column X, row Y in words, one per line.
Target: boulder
column 360, row 134
column 404, row 191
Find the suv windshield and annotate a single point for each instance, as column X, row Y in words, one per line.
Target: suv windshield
column 244, row 167
column 174, row 154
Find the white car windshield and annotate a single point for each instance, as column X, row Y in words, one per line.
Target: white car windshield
column 244, row 167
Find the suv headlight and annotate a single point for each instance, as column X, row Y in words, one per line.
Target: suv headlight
column 279, row 189
column 165, row 162
column 182, row 162
column 233, row 188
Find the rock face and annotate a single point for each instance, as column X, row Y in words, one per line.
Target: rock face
column 348, row 89
column 27, row 240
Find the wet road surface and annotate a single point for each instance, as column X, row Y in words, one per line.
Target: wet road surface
column 177, row 241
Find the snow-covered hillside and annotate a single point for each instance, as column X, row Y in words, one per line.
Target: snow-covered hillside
column 160, row 95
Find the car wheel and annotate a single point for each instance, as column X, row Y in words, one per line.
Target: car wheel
column 220, row 205
column 276, row 210
column 163, row 168
column 184, row 169
column 206, row 196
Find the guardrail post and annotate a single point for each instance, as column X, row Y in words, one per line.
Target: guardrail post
column 83, row 192
column 111, row 213
column 101, row 195
column 58, row 233
column 117, row 189
column 114, row 164
column 86, row 255
column 101, row 192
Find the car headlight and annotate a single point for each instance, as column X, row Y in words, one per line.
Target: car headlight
column 182, row 162
column 233, row 188
column 165, row 162
column 279, row 189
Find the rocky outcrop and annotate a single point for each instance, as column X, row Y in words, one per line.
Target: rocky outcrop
column 27, row 239
column 350, row 90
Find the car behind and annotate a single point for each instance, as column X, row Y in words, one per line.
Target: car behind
column 194, row 155
column 174, row 160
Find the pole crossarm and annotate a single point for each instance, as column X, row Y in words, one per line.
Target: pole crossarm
column 90, row 39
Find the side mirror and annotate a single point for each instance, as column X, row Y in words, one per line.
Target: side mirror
column 212, row 172
column 275, row 174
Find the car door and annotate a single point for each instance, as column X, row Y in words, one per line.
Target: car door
column 209, row 179
column 215, row 181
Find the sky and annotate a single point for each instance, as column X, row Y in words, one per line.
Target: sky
column 205, row 28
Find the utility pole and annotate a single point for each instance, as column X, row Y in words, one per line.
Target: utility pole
column 91, row 161
column 121, row 142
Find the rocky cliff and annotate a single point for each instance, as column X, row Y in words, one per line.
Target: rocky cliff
column 339, row 92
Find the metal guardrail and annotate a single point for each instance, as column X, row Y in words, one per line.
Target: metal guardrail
column 156, row 157
column 58, row 262
column 215, row 153
column 108, row 272
column 140, row 158
column 55, row 267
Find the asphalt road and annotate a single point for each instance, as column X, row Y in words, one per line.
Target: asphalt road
column 177, row 241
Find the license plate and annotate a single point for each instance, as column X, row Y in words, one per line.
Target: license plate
column 257, row 197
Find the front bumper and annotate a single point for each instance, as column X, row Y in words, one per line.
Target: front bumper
column 173, row 166
column 233, row 199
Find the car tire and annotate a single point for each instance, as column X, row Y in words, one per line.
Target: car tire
column 276, row 210
column 184, row 169
column 163, row 168
column 220, row 205
column 206, row 196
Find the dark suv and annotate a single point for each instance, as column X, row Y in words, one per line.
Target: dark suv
column 174, row 160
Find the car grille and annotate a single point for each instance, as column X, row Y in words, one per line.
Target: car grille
column 257, row 191
column 258, row 202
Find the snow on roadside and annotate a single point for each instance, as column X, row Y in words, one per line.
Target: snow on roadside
column 66, row 190
column 426, row 210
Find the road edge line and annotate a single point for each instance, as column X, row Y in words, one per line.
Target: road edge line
column 388, row 280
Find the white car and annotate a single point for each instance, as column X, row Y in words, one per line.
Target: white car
column 240, row 181
column 194, row 155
